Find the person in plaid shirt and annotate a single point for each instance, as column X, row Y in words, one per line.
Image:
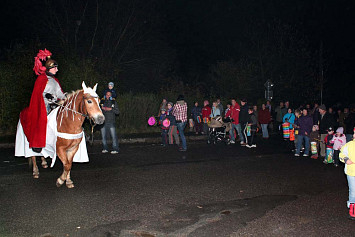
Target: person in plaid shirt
column 180, row 113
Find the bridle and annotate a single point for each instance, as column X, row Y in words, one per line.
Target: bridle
column 93, row 124
column 74, row 111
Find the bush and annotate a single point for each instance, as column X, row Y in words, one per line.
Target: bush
column 17, row 80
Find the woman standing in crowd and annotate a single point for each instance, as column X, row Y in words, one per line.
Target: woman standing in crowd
column 264, row 119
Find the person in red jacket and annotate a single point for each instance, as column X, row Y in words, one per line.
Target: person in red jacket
column 46, row 89
column 264, row 117
column 206, row 112
column 233, row 113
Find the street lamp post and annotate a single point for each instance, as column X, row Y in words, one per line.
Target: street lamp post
column 268, row 91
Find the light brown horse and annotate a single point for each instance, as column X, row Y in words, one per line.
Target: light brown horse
column 86, row 103
column 73, row 110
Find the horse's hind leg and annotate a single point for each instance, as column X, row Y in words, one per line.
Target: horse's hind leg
column 29, row 162
column 35, row 168
column 44, row 163
column 70, row 154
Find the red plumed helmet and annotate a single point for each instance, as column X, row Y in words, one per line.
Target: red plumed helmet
column 42, row 55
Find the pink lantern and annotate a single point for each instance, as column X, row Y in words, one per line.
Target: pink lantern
column 166, row 123
column 151, row 121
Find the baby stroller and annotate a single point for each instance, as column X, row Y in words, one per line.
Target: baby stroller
column 218, row 129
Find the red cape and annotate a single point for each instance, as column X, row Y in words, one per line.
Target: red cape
column 34, row 117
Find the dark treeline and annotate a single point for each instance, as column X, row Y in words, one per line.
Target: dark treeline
column 222, row 49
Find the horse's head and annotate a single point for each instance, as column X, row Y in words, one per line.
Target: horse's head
column 91, row 101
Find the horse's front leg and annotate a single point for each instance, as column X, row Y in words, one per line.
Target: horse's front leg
column 35, row 168
column 63, row 157
column 70, row 155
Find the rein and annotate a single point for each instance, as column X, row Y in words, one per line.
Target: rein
column 84, row 115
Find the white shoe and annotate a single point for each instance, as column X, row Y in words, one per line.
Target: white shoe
column 297, row 154
column 305, row 155
column 114, row 152
column 248, row 146
column 104, row 151
column 253, row 145
column 232, row 142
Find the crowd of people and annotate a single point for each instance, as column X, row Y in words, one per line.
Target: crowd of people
column 313, row 131
column 308, row 124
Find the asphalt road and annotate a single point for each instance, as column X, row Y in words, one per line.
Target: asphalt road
column 148, row 190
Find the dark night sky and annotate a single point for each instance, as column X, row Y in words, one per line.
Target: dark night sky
column 201, row 31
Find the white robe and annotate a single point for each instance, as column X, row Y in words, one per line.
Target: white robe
column 22, row 146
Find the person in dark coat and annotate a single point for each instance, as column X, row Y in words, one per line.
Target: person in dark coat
column 326, row 121
column 316, row 114
column 110, row 110
column 305, row 124
column 252, row 122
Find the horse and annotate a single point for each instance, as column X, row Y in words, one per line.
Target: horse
column 70, row 117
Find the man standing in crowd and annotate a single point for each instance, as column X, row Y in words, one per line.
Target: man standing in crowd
column 316, row 114
column 305, row 124
column 326, row 121
column 279, row 113
column 233, row 113
column 206, row 112
column 110, row 110
column 180, row 113
column 243, row 119
column 287, row 106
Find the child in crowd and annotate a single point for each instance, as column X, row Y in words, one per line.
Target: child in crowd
column 338, row 141
column 252, row 122
column 110, row 89
column 196, row 114
column 290, row 118
column 164, row 127
column 327, row 142
column 347, row 156
column 314, row 138
column 227, row 109
column 173, row 126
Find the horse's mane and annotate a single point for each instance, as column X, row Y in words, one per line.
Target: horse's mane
column 71, row 94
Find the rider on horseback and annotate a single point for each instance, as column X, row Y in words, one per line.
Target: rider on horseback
column 46, row 90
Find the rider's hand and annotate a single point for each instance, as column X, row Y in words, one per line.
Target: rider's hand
column 49, row 96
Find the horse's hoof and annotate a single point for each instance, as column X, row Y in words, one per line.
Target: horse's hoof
column 70, row 185
column 35, row 175
column 59, row 183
